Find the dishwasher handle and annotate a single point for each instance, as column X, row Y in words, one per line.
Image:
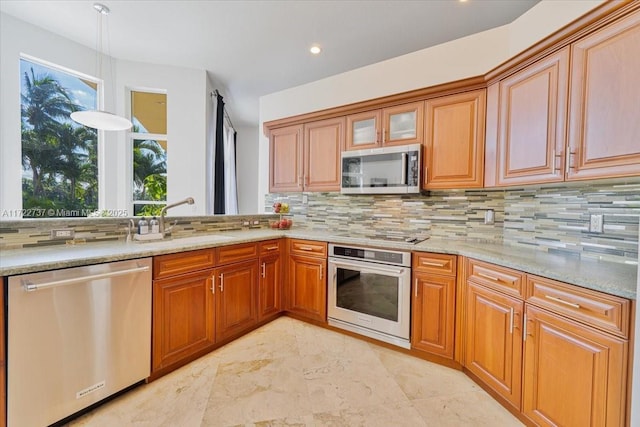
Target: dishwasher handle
column 30, row 287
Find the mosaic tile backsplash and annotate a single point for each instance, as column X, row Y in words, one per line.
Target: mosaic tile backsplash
column 35, row 232
column 548, row 218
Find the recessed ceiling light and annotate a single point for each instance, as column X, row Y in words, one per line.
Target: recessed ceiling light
column 315, row 49
column 463, row 1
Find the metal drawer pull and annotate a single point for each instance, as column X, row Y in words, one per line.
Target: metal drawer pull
column 213, row 284
column 433, row 264
column 263, row 269
column 415, row 289
column 570, row 304
column 305, row 248
column 486, row 276
column 221, row 282
column 321, row 272
column 271, row 248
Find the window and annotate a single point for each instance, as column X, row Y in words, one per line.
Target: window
column 59, row 156
column 149, row 143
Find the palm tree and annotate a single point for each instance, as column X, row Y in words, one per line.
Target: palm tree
column 149, row 159
column 44, row 103
column 74, row 147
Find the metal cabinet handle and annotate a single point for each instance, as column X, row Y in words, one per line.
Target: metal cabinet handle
column 561, row 301
column 568, row 160
column 321, row 271
column 212, row 286
column 555, row 161
column 432, row 264
column 305, row 248
column 403, row 171
column 524, row 328
column 271, row 248
column 415, row 288
column 511, row 321
column 486, row 276
column 221, row 282
column 263, row 270
column 384, row 135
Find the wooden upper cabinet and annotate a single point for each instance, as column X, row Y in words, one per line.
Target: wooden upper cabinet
column 323, row 145
column 285, row 159
column 531, row 129
column 454, row 141
column 604, row 125
column 574, row 375
column 397, row 125
column 403, row 124
column 363, row 130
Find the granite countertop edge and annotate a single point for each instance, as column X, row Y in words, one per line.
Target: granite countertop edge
column 613, row 278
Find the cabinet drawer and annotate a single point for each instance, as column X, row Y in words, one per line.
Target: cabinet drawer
column 235, row 253
column 603, row 311
column 308, row 248
column 184, row 262
column 434, row 263
column 499, row 278
column 270, row 247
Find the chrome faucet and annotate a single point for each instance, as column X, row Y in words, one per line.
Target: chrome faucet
column 131, row 225
column 163, row 213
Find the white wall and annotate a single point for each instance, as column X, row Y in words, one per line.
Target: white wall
column 247, row 169
column 466, row 57
column 187, row 97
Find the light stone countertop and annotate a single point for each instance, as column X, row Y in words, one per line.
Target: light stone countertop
column 613, row 278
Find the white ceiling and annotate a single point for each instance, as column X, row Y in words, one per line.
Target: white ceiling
column 253, row 48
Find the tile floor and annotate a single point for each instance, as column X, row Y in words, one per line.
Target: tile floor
column 289, row 373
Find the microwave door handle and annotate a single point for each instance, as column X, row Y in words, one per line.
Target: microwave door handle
column 403, row 173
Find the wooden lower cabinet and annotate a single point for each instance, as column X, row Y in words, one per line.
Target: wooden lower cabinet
column 183, row 317
column 270, row 296
column 493, row 340
column 307, row 287
column 574, row 375
column 433, row 314
column 3, row 359
column 236, row 287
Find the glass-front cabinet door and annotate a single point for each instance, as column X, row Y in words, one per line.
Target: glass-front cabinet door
column 363, row 130
column 403, row 124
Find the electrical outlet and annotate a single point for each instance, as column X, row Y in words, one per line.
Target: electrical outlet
column 65, row 234
column 305, row 199
column 245, row 223
column 256, row 222
column 489, row 216
column 596, row 223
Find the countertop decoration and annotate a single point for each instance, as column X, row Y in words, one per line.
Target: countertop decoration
column 283, row 222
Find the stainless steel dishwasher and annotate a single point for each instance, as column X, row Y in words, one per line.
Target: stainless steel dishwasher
column 75, row 336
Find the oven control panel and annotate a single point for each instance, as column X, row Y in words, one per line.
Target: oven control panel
column 370, row 254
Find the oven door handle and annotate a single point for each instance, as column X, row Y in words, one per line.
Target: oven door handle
column 371, row 269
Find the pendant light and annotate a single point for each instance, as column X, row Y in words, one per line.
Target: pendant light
column 99, row 119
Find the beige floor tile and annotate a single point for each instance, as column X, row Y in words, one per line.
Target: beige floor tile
column 398, row 414
column 257, row 390
column 303, row 421
column 474, row 408
column 351, row 381
column 420, row 379
column 314, row 340
column 177, row 399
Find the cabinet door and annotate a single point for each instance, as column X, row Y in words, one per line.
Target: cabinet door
column 270, row 285
column 285, row 159
column 604, row 102
column 493, row 341
column 323, row 145
column 403, row 124
column 531, row 135
column 573, row 375
column 183, row 317
column 454, row 141
column 236, row 299
column 307, row 287
column 363, row 130
column 433, row 314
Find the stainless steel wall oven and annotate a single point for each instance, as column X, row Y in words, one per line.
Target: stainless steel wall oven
column 370, row 292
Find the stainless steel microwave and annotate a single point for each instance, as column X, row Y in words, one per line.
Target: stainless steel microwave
column 386, row 170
